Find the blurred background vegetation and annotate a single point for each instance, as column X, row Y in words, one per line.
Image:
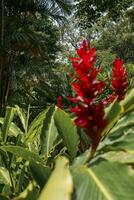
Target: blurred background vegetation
column 36, row 38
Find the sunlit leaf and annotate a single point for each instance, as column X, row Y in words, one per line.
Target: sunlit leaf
column 7, row 122
column 30, row 193
column 59, row 185
column 21, row 152
column 14, row 130
column 4, row 176
column 105, row 181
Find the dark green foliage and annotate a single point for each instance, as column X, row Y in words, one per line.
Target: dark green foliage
column 89, row 11
column 117, row 38
column 28, row 36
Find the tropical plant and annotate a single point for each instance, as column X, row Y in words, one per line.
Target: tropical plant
column 50, row 157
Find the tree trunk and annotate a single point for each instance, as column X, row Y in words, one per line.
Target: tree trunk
column 2, row 52
column 4, row 61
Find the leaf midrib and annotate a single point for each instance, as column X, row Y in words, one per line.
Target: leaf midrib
column 48, row 138
column 100, row 185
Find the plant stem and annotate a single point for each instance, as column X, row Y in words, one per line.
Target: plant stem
column 93, row 149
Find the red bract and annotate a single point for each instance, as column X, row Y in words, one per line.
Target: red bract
column 89, row 113
column 120, row 80
column 59, row 102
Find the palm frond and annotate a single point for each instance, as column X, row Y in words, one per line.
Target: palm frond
column 65, row 5
column 25, row 38
column 56, row 9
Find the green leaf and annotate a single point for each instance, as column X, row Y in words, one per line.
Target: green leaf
column 40, row 173
column 82, row 159
column 38, row 121
column 4, row 176
column 128, row 102
column 67, row 131
column 119, row 141
column 21, row 152
column 123, row 123
column 7, row 122
column 22, row 116
column 49, row 133
column 112, row 114
column 120, row 156
column 6, row 191
column 30, row 193
column 105, row 181
column 20, row 179
column 14, row 130
column 35, row 128
column 59, row 185
column 3, row 197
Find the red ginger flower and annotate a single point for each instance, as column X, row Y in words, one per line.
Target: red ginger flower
column 120, row 80
column 88, row 110
column 89, row 114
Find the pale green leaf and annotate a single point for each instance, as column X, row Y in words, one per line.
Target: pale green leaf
column 59, row 185
column 120, row 156
column 128, row 102
column 123, row 123
column 4, row 176
column 30, row 193
column 104, row 181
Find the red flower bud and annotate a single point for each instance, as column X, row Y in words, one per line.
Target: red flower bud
column 120, row 80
